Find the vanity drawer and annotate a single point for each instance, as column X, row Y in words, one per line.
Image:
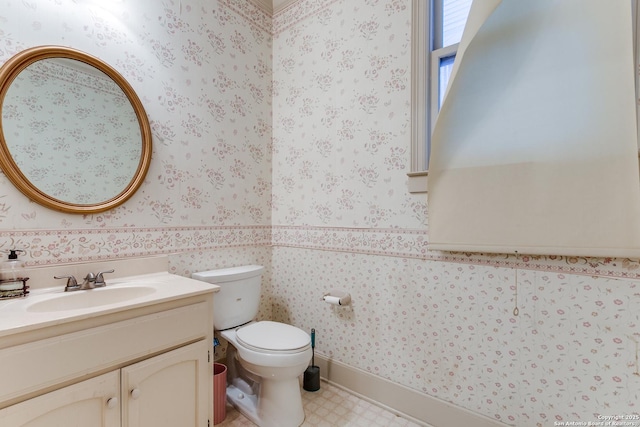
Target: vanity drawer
column 29, row 369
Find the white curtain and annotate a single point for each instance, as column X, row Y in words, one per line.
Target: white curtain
column 535, row 146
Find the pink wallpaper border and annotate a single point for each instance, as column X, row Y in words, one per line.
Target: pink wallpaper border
column 251, row 12
column 412, row 243
column 279, row 21
column 297, row 12
column 406, row 243
column 45, row 247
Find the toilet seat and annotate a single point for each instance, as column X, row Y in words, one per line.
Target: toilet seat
column 273, row 337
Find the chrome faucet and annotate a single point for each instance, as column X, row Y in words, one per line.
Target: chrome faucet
column 90, row 281
column 72, row 283
column 99, row 279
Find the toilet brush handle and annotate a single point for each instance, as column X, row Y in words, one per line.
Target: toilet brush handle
column 313, row 347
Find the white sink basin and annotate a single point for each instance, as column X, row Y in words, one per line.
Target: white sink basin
column 51, row 306
column 90, row 298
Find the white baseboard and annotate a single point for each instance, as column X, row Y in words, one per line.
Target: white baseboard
column 418, row 407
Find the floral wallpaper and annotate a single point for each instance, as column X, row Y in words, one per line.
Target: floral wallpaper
column 284, row 141
column 448, row 330
column 202, row 70
column 341, row 117
column 72, row 131
column 440, row 323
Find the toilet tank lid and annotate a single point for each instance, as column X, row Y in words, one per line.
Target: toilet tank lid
column 228, row 274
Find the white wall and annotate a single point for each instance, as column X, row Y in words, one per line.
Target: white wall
column 439, row 323
column 340, row 216
column 203, row 72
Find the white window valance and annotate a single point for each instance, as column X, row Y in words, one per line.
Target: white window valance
column 535, row 146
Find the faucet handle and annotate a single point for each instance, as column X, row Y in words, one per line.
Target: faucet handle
column 72, row 283
column 89, row 281
column 100, row 278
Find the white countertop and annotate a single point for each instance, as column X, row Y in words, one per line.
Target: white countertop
column 16, row 315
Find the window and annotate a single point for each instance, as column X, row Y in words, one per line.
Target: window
column 437, row 30
column 524, row 144
column 449, row 18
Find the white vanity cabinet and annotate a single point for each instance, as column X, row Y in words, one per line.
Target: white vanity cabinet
column 167, row 390
column 92, row 402
column 164, row 390
column 143, row 366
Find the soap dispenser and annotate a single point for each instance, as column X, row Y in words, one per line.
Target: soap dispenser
column 12, row 276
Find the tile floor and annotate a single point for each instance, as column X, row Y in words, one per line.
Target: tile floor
column 333, row 407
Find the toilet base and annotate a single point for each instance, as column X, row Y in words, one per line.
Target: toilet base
column 246, row 404
column 268, row 412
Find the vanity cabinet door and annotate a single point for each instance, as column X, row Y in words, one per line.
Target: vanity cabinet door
column 92, row 402
column 169, row 390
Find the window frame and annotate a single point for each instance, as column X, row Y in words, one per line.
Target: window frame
column 425, row 61
column 434, row 98
column 635, row 12
column 424, row 88
column 420, row 93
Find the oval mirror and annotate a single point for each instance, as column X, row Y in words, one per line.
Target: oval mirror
column 74, row 135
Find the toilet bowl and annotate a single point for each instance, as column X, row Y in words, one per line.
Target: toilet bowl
column 276, row 354
column 265, row 359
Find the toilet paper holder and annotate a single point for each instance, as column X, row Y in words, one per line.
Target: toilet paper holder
column 335, row 297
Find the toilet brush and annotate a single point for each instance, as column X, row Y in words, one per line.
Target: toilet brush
column 311, row 380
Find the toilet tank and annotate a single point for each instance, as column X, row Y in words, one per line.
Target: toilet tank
column 238, row 300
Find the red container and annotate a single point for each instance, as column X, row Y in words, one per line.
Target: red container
column 219, row 393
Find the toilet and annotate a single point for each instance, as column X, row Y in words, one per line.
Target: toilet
column 266, row 358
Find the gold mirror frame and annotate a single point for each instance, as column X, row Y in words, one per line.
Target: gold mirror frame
column 10, row 71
